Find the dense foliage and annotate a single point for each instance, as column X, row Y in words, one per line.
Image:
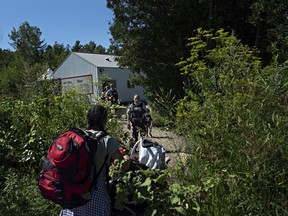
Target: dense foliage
column 226, row 93
column 234, row 116
column 237, row 121
column 152, row 35
column 26, row 131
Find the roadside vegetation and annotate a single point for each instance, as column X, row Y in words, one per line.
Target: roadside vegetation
column 226, row 97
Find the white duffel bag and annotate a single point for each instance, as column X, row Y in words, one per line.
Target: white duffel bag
column 149, row 153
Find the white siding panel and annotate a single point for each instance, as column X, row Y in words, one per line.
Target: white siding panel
column 121, row 76
column 75, row 66
column 79, row 65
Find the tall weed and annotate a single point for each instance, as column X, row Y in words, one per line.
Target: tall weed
column 236, row 113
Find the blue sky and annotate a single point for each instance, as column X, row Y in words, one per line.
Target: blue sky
column 61, row 21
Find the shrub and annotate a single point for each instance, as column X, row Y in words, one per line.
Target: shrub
column 26, row 131
column 236, row 113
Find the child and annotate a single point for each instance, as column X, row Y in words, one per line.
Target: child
column 148, row 122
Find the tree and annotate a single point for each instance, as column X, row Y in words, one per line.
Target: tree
column 91, row 47
column 270, row 20
column 9, row 81
column 20, row 75
column 144, row 32
column 27, row 42
column 6, row 57
column 20, row 80
column 55, row 54
column 77, row 46
column 236, row 128
column 151, row 36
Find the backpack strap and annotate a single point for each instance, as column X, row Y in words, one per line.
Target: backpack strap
column 95, row 177
column 97, row 136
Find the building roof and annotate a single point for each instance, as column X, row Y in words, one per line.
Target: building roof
column 99, row 60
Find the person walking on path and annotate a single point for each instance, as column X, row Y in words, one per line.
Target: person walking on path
column 112, row 94
column 135, row 117
column 108, row 149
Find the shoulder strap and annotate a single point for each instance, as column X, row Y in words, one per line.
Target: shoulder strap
column 101, row 168
column 95, row 137
column 98, row 135
column 96, row 174
column 90, row 138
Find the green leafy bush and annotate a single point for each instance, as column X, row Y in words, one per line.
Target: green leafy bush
column 236, row 114
column 19, row 195
column 26, row 131
column 28, row 128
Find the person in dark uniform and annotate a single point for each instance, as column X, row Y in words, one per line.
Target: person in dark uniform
column 112, row 94
column 135, row 117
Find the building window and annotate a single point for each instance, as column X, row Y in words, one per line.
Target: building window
column 130, row 85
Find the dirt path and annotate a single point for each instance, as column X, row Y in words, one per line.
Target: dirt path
column 170, row 141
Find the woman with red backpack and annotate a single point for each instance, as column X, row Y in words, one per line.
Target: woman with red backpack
column 108, row 149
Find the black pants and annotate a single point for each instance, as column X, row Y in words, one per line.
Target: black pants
column 136, row 129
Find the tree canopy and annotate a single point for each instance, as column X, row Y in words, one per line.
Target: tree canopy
column 27, row 42
column 152, row 35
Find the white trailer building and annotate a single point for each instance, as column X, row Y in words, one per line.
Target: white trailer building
column 88, row 72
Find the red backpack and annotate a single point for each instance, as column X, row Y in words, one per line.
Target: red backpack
column 68, row 173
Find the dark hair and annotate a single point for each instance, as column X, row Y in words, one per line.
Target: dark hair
column 95, row 118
